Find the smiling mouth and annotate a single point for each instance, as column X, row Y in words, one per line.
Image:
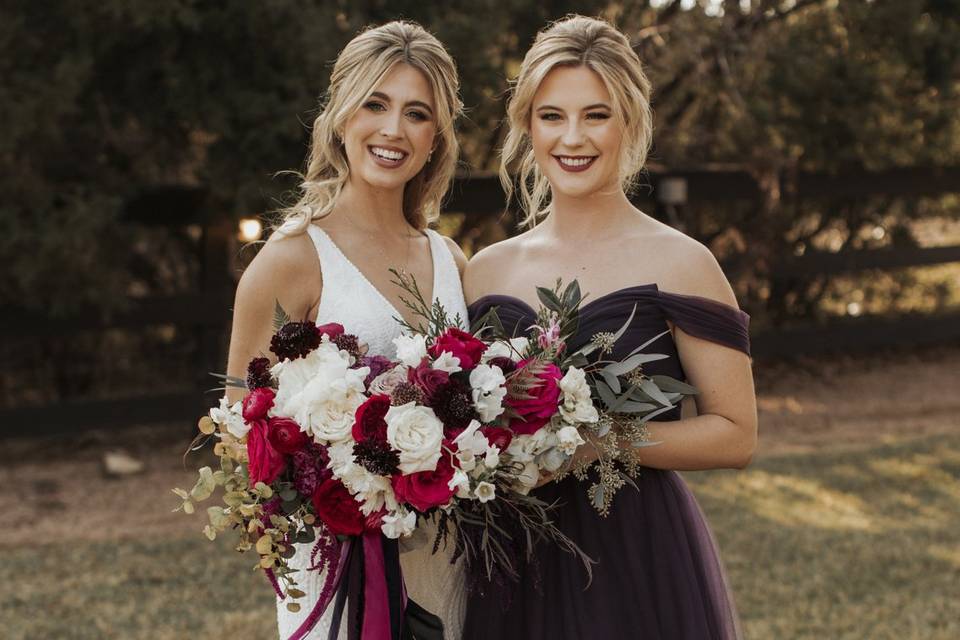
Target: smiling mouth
column 575, row 163
column 387, row 157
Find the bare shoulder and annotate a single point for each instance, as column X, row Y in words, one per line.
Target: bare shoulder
column 286, row 269
column 487, row 264
column 457, row 253
column 691, row 267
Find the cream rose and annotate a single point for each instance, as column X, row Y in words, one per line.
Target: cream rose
column 417, row 433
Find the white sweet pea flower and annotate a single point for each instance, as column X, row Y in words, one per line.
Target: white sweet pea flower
column 417, row 433
column 485, row 492
column 521, row 449
column 399, row 524
column 552, row 459
column 411, row 349
column 577, row 407
column 527, row 479
column 492, row 459
column 467, row 460
column 570, row 439
column 460, row 483
column 448, row 362
column 471, row 441
column 321, row 392
column 513, row 349
column 488, row 391
column 230, row 418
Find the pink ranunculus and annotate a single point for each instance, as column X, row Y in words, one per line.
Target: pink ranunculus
column 257, row 403
column 461, row 345
column 426, row 489
column 332, row 329
column 536, row 411
column 428, row 378
column 286, row 436
column 264, row 462
column 337, row 509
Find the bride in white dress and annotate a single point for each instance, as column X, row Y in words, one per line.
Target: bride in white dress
column 382, row 156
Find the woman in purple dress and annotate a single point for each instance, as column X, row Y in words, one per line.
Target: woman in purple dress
column 580, row 127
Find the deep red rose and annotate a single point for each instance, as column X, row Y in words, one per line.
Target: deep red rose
column 426, row 489
column 285, row 435
column 460, row 344
column 264, row 462
column 334, row 505
column 427, row 378
column 369, row 423
column 536, row 411
column 257, row 403
column 332, row 329
column 498, row 437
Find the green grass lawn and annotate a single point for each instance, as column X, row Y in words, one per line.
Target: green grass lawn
column 856, row 544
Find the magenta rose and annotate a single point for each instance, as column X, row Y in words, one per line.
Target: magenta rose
column 461, row 345
column 286, row 436
column 426, row 489
column 264, row 462
column 427, row 378
column 257, row 403
column 333, row 330
column 535, row 411
column 369, row 422
column 334, row 505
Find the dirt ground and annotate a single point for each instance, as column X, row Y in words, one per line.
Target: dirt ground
column 57, row 486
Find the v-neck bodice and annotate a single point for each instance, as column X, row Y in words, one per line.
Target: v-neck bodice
column 349, row 298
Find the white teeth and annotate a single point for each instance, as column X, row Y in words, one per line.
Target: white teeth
column 387, row 154
column 574, row 162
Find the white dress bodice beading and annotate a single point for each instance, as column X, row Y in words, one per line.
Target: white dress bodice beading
column 349, row 298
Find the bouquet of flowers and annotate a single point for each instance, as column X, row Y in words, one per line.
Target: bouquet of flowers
column 350, row 451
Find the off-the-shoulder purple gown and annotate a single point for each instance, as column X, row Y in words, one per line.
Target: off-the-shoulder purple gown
column 658, row 574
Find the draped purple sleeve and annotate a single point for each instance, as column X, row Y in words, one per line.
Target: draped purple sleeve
column 708, row 319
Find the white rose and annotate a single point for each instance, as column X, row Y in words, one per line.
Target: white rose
column 488, row 391
column 577, row 407
column 447, row 362
column 485, row 492
column 582, row 413
column 569, row 440
column 321, row 392
column 513, row 349
column 230, row 418
column 417, row 433
column 411, row 349
column 400, row 523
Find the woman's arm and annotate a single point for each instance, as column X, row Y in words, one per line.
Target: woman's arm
column 287, row 270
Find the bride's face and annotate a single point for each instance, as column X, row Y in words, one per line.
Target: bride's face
column 389, row 138
column 576, row 139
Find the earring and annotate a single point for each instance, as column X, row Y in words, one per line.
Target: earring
column 430, row 157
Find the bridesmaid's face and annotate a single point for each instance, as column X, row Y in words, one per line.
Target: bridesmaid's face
column 576, row 139
column 390, row 136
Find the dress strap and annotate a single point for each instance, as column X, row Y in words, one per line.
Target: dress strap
column 447, row 287
column 334, row 267
column 708, row 319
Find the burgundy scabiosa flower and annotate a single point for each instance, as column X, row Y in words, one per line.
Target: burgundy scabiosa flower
column 406, row 392
column 453, row 406
column 349, row 343
column 376, row 456
column 295, row 340
column 258, row 374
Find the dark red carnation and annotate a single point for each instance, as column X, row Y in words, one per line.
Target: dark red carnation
column 257, row 403
column 426, row 489
column 337, row 509
column 295, row 340
column 461, row 345
column 286, row 435
column 536, row 410
column 498, row 437
column 369, row 422
column 264, row 462
column 427, row 378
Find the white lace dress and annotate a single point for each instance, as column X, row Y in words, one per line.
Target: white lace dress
column 349, row 298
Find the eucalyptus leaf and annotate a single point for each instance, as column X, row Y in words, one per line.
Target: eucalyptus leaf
column 649, row 342
column 623, row 329
column 631, row 406
column 606, row 394
column 611, row 379
column 597, row 496
column 652, row 390
column 626, row 366
column 653, row 414
column 666, row 383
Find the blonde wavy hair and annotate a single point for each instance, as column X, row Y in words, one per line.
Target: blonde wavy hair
column 359, row 68
column 572, row 42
